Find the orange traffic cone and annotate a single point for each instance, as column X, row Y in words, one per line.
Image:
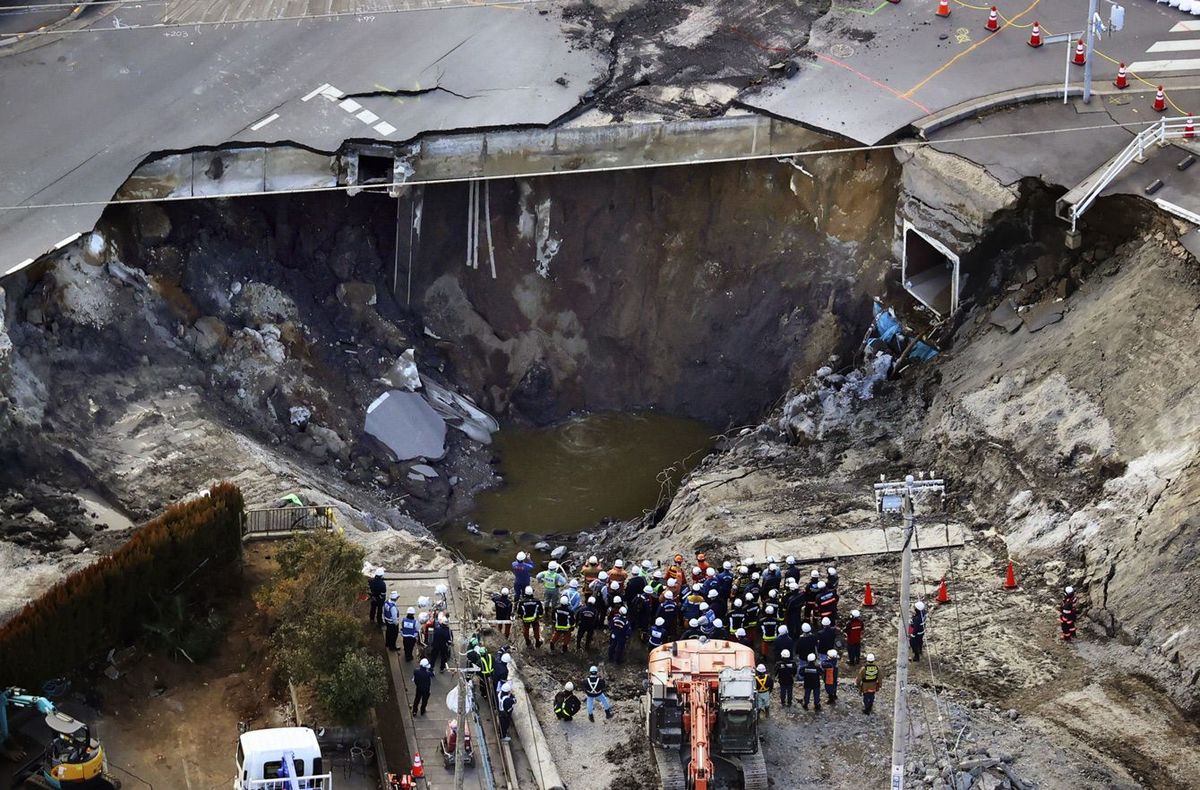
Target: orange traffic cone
column 943, row 8
column 1035, row 36
column 1080, row 54
column 868, row 597
column 1160, row 100
column 993, row 23
column 1122, row 80
column 418, row 767
column 1189, row 129
column 943, row 595
column 1010, row 581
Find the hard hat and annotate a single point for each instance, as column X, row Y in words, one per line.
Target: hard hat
column 394, row 595
column 569, row 686
column 711, row 572
column 423, row 617
column 693, row 622
column 647, row 564
column 1070, row 590
column 678, row 558
column 870, row 656
column 425, row 662
column 718, row 622
column 773, row 594
column 411, row 610
column 743, row 569
column 824, row 621
column 785, row 653
column 564, row 600
column 529, row 590
column 770, row 610
column 379, row 571
column 441, row 589
column 614, row 585
column 756, row 576
column 770, row 558
column 812, row 656
column 820, row 585
column 574, row 584
column 616, row 599
column 773, row 566
column 832, row 654
column 727, row 565
column 855, row 613
column 783, row 629
column 658, row 574
column 762, row 667
column 696, row 571
column 520, row 556
column 713, row 593
column 507, row 687
column 704, row 607
column 737, row 602
column 668, row 595
column 593, row 559
column 659, row 621
column 423, row 602
column 832, row 571
column 815, row 573
column 740, row 632
column 591, row 599
column 791, row 560
column 602, row 576
column 792, row 583
column 505, row 658
column 619, row 563
column 920, row 605
column 593, row 669
column 671, row 582
column 623, row 610
column 552, row 565
column 504, row 591
column 806, row 628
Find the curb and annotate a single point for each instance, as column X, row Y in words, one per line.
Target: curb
column 32, row 39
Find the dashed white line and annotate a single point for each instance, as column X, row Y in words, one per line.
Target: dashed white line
column 67, row 241
column 350, row 105
column 1186, row 27
column 1175, row 46
column 315, row 92
column 1144, row 66
column 264, row 122
column 385, row 128
column 368, row 117
column 332, row 93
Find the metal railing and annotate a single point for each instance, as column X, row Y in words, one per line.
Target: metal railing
column 314, row 782
column 1157, row 133
column 275, row 521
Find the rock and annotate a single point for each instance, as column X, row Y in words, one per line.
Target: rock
column 541, row 545
column 356, row 295
column 327, row 441
column 404, row 374
column 559, row 552
column 259, row 304
column 1012, row 714
column 72, row 543
column 978, row 762
column 209, row 335
column 152, row 223
column 425, row 470
column 299, row 416
column 988, row 781
column 963, row 781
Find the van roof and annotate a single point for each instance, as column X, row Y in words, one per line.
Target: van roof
column 279, row 739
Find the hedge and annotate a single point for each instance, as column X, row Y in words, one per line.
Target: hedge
column 105, row 604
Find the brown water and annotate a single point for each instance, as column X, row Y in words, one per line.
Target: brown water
column 565, row 478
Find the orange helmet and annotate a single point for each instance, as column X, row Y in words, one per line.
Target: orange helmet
column 700, row 556
column 678, row 558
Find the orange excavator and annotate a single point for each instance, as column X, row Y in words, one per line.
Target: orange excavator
column 700, row 716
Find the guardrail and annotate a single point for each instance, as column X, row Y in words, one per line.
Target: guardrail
column 282, row 521
column 314, row 782
column 1157, row 133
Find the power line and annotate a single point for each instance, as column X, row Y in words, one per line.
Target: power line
column 383, row 187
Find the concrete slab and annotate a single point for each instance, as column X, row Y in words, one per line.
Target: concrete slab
column 295, row 168
column 229, row 172
column 407, row 425
column 853, row 543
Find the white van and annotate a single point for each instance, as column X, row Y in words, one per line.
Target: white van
column 282, row 758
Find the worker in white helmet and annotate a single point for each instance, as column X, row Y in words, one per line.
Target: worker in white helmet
column 594, row 688
column 829, row 668
column 506, row 703
column 377, row 592
column 763, row 683
column 566, row 704
column 785, row 677
column 590, row 569
column 868, row 682
column 916, row 630
column 854, row 635
column 522, row 570
column 811, row 673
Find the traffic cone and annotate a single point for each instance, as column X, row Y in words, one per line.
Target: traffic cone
column 1189, row 129
column 418, row 767
column 1080, row 54
column 1160, row 100
column 993, row 23
column 943, row 595
column 1035, row 36
column 868, row 597
column 943, row 8
column 1010, row 581
column 1122, row 80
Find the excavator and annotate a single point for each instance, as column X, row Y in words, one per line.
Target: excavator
column 700, row 716
column 73, row 760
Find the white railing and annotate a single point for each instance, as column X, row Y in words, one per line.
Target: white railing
column 314, row 782
column 1157, row 133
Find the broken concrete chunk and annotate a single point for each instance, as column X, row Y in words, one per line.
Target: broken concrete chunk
column 404, row 374
column 259, row 303
column 355, row 295
column 559, row 552
column 1043, row 315
column 209, row 336
column 152, row 223
column 425, row 470
column 1005, row 316
column 461, row 413
column 407, row 425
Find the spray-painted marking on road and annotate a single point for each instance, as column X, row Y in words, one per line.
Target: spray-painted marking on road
column 872, row 12
column 269, row 119
column 1186, row 27
column 1144, row 66
column 962, row 36
column 381, row 127
column 1175, row 46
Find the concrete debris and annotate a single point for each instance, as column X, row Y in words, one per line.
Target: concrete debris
column 407, row 425
column 404, row 374
column 829, row 397
column 299, row 415
column 1005, row 316
column 1043, row 315
column 259, row 303
column 356, row 296
column 425, row 470
column 209, row 336
column 460, row 412
column 559, row 552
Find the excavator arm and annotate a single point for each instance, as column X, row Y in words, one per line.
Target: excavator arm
column 700, row 769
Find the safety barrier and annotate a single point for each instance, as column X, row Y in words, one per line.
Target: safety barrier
column 277, row 522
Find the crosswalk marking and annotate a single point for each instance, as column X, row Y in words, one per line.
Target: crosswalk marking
column 1186, row 27
column 1145, row 66
column 1175, row 46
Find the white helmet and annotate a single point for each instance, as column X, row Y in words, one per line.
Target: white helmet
column 423, row 602
column 504, row 591
column 592, row 560
column 711, row 572
column 659, row 621
column 773, row 566
column 591, row 599
column 743, row 569
column 770, row 558
column 394, row 595
column 783, row 629
column 704, row 607
column 411, row 610
column 773, row 594
column 756, row 576
column 806, row 628
column 718, row 623
column 855, row 613
column 614, row 585
column 820, row 585
column 815, row 573
column 552, row 565
column 737, row 602
column 832, row 654
column 831, row 571
column 712, row 593
column 1070, row 590
column 379, row 572
column 623, row 610
column 671, row 582
column 920, row 606
column 602, row 576
column 668, row 595
column 870, row 656
column 569, row 686
column 785, row 653
column 770, row 610
column 740, row 632
column 619, row 563
column 762, row 667
column 574, row 584
column 593, row 669
column 824, row 621
column 790, row 560
column 693, row 623
column 425, row 662
column 696, row 571
column 616, row 599
column 564, row 600
column 505, row 658
column 812, row 656
column 441, row 589
column 727, row 565
column 507, row 687
column 528, row 590
column 647, row 564
column 520, row 556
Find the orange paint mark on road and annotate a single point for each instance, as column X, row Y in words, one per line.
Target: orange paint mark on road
column 874, row 82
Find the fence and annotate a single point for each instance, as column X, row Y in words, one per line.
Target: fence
column 280, row 521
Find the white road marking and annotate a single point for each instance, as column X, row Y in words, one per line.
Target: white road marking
column 332, row 93
column 264, row 122
column 1175, row 46
column 1144, row 66
column 368, row 117
column 316, row 92
column 19, row 266
column 67, row 241
column 350, row 105
column 1186, row 27
column 385, row 128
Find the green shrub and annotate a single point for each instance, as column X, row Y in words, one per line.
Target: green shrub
column 314, row 646
column 358, row 683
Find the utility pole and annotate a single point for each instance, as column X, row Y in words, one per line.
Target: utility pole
column 898, row 497
column 461, row 714
column 1092, row 18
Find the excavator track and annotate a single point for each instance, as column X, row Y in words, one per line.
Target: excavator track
column 670, row 769
column 754, row 771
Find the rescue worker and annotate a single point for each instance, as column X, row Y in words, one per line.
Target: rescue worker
column 408, row 632
column 737, row 615
column 590, row 569
column 916, row 630
column 531, row 612
column 810, row 673
column 702, row 563
column 827, row 602
column 752, row 616
column 716, row 603
column 391, row 621
column 868, row 682
column 485, row 662
column 500, row 674
column 566, row 704
column 423, row 684
column 785, row 676
column 807, row 641
column 618, row 574
column 552, row 580
column 658, row 633
column 792, row 571
column 725, row 580
column 830, row 668
column 599, row 585
column 743, row 638
column 588, row 621
column 831, row 580
column 1069, row 601
column 783, row 642
column 564, row 624
column 763, row 682
column 574, row 599
column 618, row 635
column 827, row 637
column 377, row 592
column 854, row 634
column 675, row 571
column 692, row 631
column 522, row 568
column 719, row 631
column 793, row 607
column 504, row 611
column 593, row 689
column 1068, row 614
column 668, row 610
column 439, row 642
column 506, row 704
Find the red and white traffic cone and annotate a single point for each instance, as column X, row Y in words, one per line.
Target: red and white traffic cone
column 993, row 23
column 943, row 8
column 1080, row 54
column 1160, row 100
column 1122, row 80
column 1189, row 129
column 1035, row 36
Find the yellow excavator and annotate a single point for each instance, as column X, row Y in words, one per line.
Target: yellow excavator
column 73, row 760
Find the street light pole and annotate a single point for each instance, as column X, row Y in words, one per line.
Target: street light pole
column 898, row 497
column 1091, row 50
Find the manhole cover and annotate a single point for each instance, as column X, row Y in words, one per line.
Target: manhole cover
column 841, row 50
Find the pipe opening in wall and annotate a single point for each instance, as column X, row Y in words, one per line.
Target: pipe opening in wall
column 930, row 271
